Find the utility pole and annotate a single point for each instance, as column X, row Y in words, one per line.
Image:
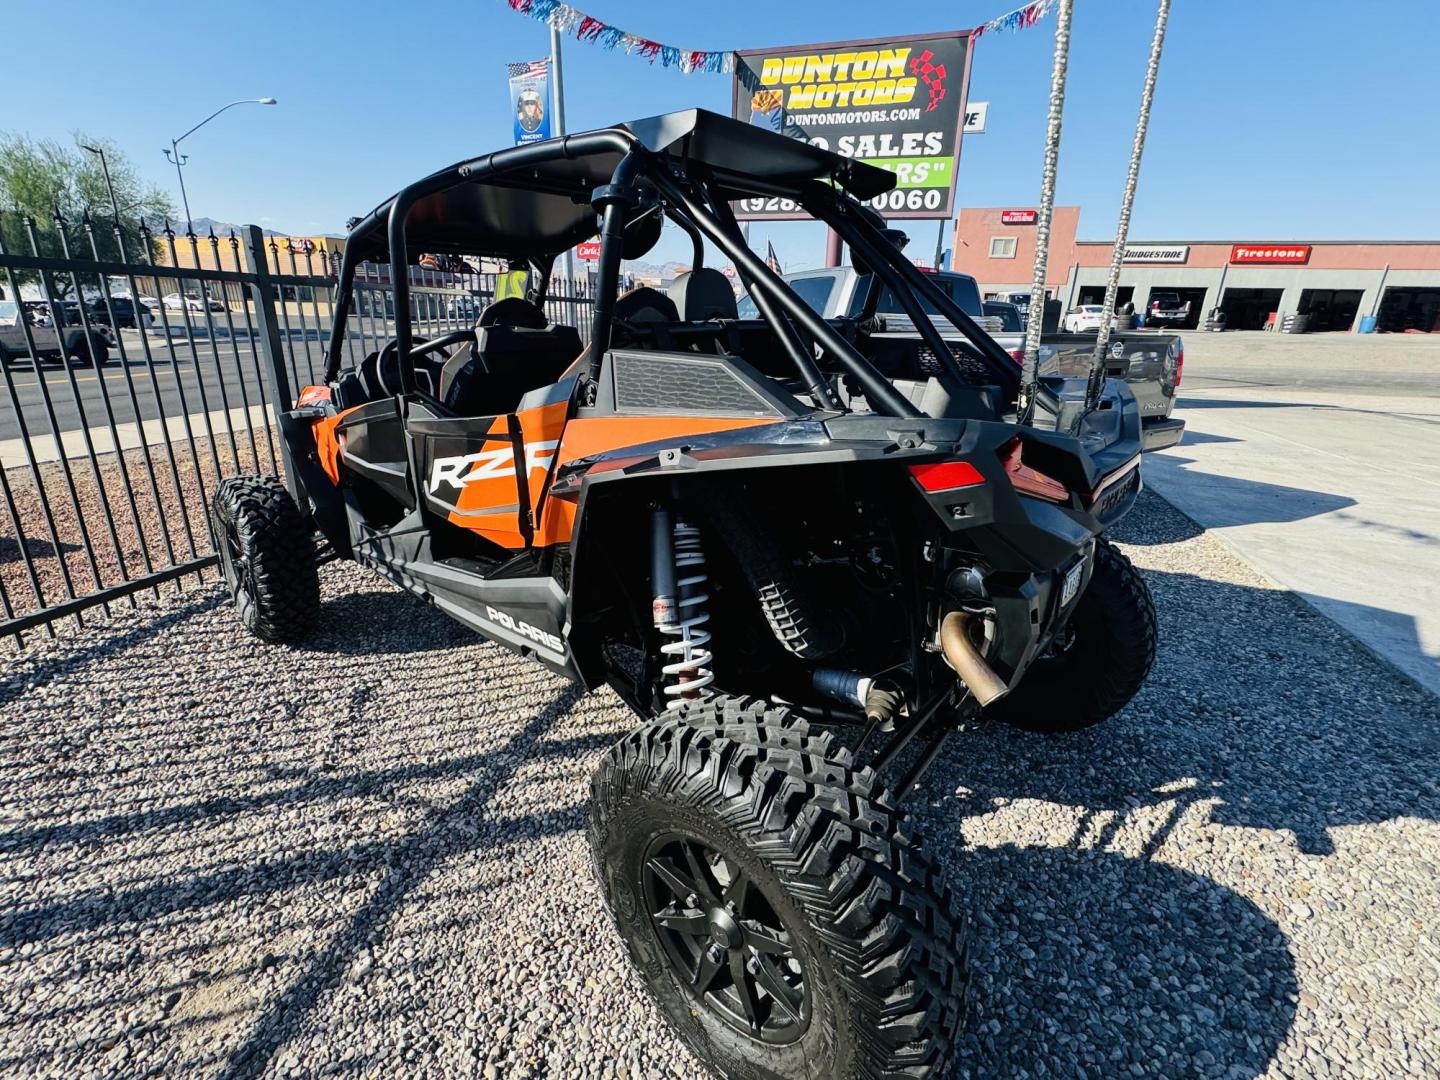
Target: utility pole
column 557, row 113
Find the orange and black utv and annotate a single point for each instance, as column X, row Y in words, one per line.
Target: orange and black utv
column 801, row 550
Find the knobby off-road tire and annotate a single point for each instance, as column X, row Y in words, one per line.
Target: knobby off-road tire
column 1103, row 664
column 267, row 554
column 835, row 909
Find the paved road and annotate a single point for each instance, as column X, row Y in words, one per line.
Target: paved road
column 180, row 372
column 1318, row 459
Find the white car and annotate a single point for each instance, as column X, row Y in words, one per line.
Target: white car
column 175, row 302
column 1086, row 319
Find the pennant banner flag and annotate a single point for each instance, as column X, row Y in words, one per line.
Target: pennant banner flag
column 569, row 20
column 1022, row 18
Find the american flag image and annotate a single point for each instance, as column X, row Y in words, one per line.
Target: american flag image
column 534, row 68
column 771, row 259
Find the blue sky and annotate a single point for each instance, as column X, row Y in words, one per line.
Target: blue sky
column 1273, row 120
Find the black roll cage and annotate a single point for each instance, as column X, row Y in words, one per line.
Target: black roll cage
column 689, row 195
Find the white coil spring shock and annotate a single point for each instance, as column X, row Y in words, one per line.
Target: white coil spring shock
column 687, row 674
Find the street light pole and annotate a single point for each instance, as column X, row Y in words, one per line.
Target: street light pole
column 109, row 184
column 114, row 202
column 557, row 114
column 174, row 152
column 174, row 155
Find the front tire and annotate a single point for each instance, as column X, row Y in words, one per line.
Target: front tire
column 772, row 902
column 267, row 554
column 1106, row 653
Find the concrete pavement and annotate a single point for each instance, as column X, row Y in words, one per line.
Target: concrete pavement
column 1317, row 458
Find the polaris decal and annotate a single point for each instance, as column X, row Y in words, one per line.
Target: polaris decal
column 524, row 629
column 488, row 464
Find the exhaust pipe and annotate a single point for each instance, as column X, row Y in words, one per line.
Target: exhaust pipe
column 961, row 654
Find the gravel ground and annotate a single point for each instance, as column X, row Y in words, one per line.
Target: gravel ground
column 365, row 857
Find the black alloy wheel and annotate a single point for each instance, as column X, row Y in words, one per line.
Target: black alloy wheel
column 724, row 939
column 772, row 900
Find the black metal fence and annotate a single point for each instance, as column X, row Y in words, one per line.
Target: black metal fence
column 131, row 388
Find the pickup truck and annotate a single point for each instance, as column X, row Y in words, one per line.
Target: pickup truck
column 1150, row 363
column 50, row 342
column 1167, row 309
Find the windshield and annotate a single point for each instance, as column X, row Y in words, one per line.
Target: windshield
column 1009, row 317
column 815, row 291
column 962, row 290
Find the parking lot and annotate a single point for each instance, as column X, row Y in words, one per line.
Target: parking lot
column 1317, row 457
column 366, row 857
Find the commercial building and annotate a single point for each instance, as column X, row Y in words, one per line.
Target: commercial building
column 1335, row 282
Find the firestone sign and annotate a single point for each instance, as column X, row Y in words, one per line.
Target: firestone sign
column 1294, row 254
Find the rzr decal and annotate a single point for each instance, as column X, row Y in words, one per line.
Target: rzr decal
column 488, row 464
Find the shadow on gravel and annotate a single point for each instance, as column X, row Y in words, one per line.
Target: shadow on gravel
column 363, row 624
column 107, row 645
column 35, row 547
column 1118, row 966
column 460, row 827
column 1260, row 712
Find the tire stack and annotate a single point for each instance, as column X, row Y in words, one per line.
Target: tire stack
column 1295, row 323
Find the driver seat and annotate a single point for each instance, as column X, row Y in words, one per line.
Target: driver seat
column 516, row 349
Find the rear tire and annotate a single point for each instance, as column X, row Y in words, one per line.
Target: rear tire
column 1106, row 661
column 267, row 554
column 840, row 956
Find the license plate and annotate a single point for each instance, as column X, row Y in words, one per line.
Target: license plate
column 1072, row 583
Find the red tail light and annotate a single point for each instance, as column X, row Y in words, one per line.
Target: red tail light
column 1179, row 366
column 1030, row 481
column 946, row 475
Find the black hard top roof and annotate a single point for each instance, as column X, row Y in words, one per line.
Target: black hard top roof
column 518, row 208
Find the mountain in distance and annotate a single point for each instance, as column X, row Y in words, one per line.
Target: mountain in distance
column 203, row 226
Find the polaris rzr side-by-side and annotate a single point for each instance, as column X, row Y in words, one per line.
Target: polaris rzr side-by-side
column 802, row 552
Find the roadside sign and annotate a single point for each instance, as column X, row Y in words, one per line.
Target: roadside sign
column 1242, row 254
column 895, row 103
column 529, row 96
column 975, row 114
column 1156, row 253
column 1017, row 217
column 589, row 251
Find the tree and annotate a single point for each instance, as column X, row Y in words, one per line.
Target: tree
column 39, row 177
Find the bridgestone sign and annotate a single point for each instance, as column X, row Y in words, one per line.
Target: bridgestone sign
column 896, row 103
column 1156, row 253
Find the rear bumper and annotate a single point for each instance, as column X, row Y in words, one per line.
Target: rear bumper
column 1160, row 432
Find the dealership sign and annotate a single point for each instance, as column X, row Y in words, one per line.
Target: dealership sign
column 895, row 103
column 1295, row 254
column 1017, row 217
column 1156, row 253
